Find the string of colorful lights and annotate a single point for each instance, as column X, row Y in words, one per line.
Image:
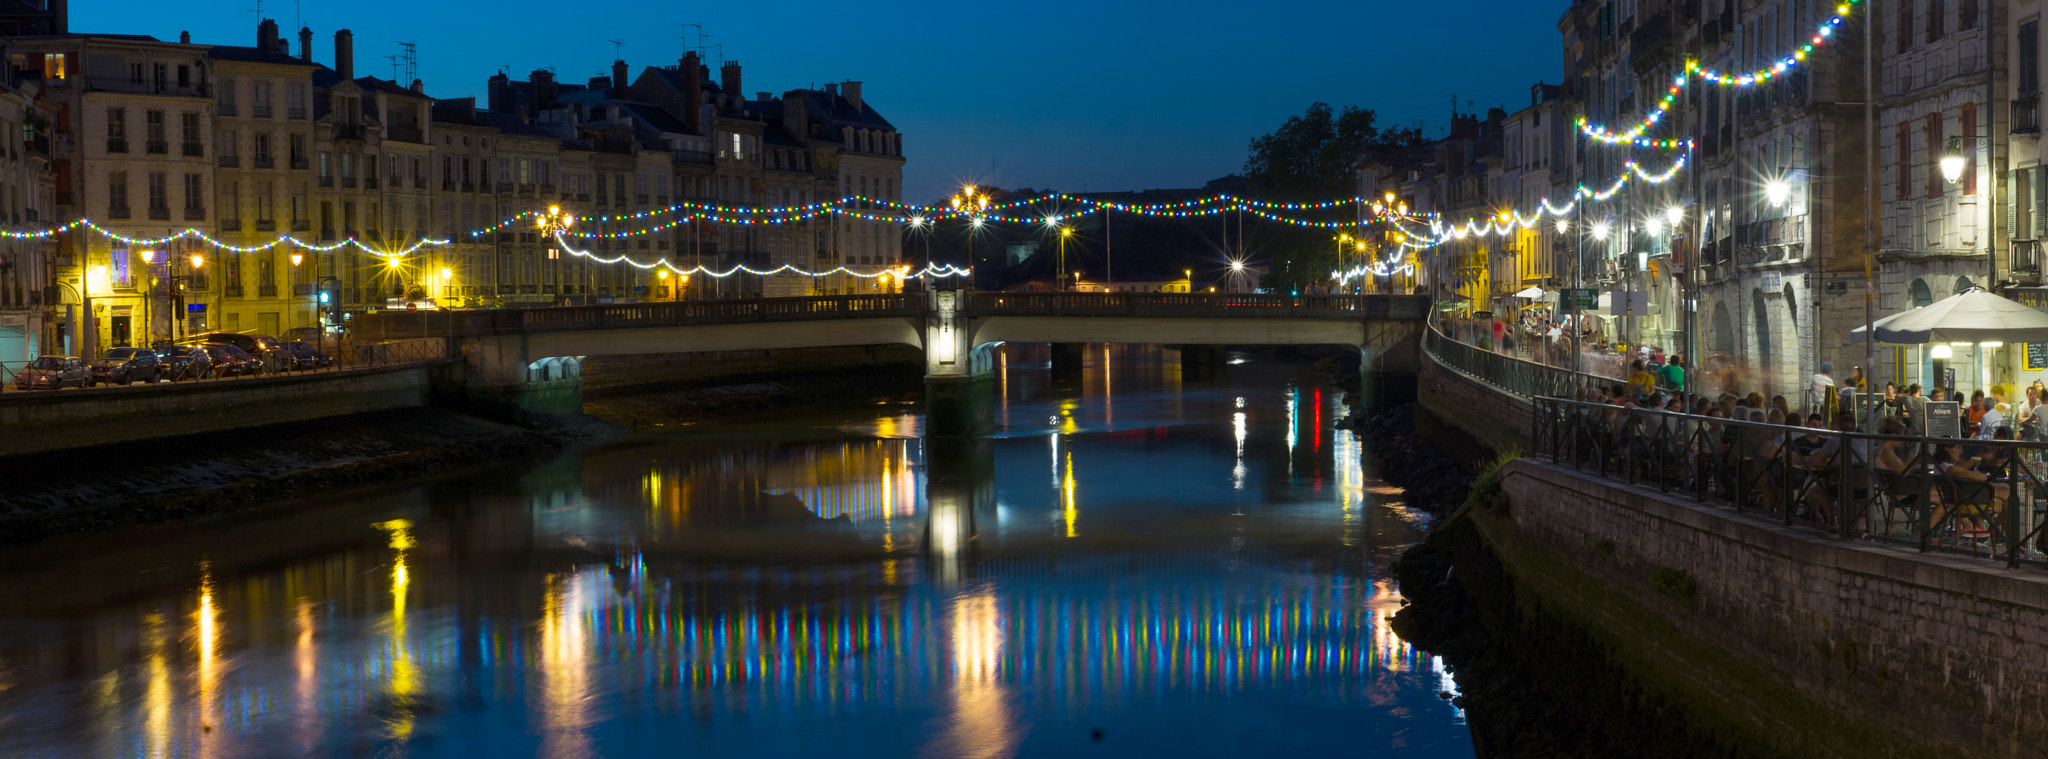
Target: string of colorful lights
column 1693, row 70
column 930, row 271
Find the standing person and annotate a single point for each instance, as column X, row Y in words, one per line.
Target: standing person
column 1821, row 388
column 1640, row 381
column 1674, row 372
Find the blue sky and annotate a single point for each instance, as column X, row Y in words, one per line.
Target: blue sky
column 1071, row 95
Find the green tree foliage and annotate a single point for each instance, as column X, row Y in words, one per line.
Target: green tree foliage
column 1309, row 159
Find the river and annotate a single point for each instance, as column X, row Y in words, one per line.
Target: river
column 1137, row 564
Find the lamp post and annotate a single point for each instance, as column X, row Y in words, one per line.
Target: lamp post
column 198, row 261
column 971, row 202
column 1065, row 233
column 554, row 223
column 299, row 258
column 149, row 313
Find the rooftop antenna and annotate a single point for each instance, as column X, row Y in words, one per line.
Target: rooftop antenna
column 259, row 10
column 298, row 15
column 685, row 36
column 618, row 49
column 394, row 66
column 409, row 52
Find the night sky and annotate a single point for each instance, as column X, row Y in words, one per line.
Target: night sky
column 1079, row 96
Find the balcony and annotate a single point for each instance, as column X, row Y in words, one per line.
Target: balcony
column 193, row 150
column 404, row 134
column 640, row 198
column 117, row 144
column 195, row 213
column 265, row 162
column 301, row 225
column 547, row 189
column 261, row 111
column 302, row 290
column 266, row 225
column 348, row 183
column 224, row 109
column 234, row 291
column 693, row 156
column 349, row 131
column 327, row 235
column 158, row 147
column 160, row 212
column 266, row 291
column 230, row 162
column 327, row 181
column 2026, row 115
column 531, row 289
column 370, row 182
column 117, row 212
column 228, row 225
column 504, row 187
column 526, row 188
column 469, row 187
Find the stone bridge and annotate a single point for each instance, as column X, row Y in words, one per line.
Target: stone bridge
column 523, row 363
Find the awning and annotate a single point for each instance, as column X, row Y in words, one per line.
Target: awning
column 1972, row 316
column 1530, row 292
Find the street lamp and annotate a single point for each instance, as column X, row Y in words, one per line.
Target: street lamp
column 1600, row 230
column 1953, row 160
column 971, row 202
column 1064, row 234
column 554, row 223
column 1777, row 191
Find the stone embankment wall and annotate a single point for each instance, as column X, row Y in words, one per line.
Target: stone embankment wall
column 1810, row 646
column 606, row 373
column 1495, row 418
column 67, row 419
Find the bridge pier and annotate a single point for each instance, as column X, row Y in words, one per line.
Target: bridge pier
column 1203, row 363
column 500, row 382
column 959, row 377
column 960, row 497
column 1068, row 361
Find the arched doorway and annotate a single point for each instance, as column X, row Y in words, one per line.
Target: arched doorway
column 1763, row 331
column 1963, row 284
column 1921, row 294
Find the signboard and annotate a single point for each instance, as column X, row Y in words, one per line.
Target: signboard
column 1628, row 303
column 1579, row 298
column 1836, row 289
column 2037, row 355
column 196, row 308
column 1944, row 419
column 1774, row 283
column 1482, row 314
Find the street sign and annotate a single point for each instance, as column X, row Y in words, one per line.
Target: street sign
column 1773, row 282
column 1836, row 289
column 1579, row 299
column 1628, row 303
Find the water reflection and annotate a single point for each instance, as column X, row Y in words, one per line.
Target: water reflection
column 780, row 593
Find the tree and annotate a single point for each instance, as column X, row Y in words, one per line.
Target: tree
column 1309, row 159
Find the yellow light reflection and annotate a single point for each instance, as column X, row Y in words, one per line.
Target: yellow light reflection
column 207, row 625
column 156, row 721
column 981, row 725
column 404, row 678
column 564, row 669
column 1068, row 510
column 304, row 661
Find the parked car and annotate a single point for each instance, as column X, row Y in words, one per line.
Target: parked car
column 183, row 362
column 127, row 366
column 53, row 373
column 269, row 349
column 230, row 361
column 308, row 357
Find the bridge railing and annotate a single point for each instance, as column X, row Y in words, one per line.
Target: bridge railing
column 1172, row 305
column 392, row 324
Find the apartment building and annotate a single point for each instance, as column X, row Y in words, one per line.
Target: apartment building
column 27, row 189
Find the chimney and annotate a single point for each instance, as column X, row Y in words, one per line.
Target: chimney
column 306, row 44
column 853, row 95
column 500, row 93
column 764, row 96
column 543, row 89
column 693, row 92
column 345, row 54
column 418, row 86
column 832, row 90
column 184, row 38
column 600, row 84
column 794, row 117
column 266, row 36
column 729, row 80
column 619, row 80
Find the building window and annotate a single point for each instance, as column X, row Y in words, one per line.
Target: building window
column 260, row 107
column 188, row 133
column 298, row 151
column 159, row 196
column 1966, row 16
column 117, row 195
column 153, row 132
column 230, row 200
column 117, row 130
column 262, row 150
column 1905, row 30
column 123, row 275
column 195, row 203
column 295, row 101
column 1904, row 184
column 263, row 202
column 227, row 146
column 226, row 101
column 2029, row 72
column 1934, row 150
column 53, row 66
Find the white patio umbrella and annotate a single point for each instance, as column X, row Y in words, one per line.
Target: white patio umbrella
column 1971, row 316
column 1532, row 292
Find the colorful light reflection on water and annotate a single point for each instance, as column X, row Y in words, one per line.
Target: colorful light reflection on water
column 1203, row 573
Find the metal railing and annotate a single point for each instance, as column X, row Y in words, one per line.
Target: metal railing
column 345, row 354
column 1170, row 305
column 1981, row 498
column 394, row 324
